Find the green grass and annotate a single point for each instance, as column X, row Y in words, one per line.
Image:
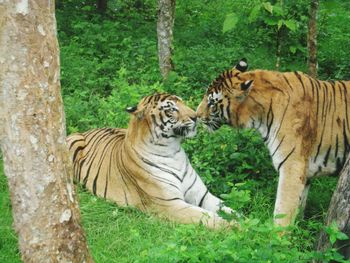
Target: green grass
column 8, row 239
column 126, row 235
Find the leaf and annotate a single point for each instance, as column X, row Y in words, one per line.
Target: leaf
column 254, row 14
column 277, row 9
column 293, row 49
column 291, row 24
column 271, row 21
column 279, row 24
column 268, row 7
column 342, row 236
column 279, row 216
column 230, row 22
column 86, row 8
column 332, row 239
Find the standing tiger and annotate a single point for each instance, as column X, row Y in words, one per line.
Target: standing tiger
column 144, row 165
column 303, row 121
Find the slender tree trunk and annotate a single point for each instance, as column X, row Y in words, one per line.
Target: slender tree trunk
column 312, row 39
column 165, row 24
column 278, row 49
column 279, row 37
column 32, row 135
column 102, row 6
column 339, row 211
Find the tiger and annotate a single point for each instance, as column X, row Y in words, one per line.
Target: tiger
column 303, row 121
column 144, row 165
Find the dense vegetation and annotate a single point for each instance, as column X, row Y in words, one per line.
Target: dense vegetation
column 109, row 61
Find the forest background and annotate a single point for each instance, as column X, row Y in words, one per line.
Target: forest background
column 109, row 61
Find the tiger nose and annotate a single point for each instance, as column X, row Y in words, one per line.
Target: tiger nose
column 194, row 119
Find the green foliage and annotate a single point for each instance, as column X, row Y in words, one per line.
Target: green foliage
column 8, row 239
column 334, row 234
column 230, row 22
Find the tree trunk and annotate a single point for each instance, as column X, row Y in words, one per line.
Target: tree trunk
column 32, row 135
column 339, row 211
column 312, row 39
column 278, row 49
column 279, row 37
column 102, row 6
column 165, row 24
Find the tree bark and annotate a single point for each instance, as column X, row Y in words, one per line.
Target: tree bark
column 32, row 135
column 278, row 49
column 102, row 6
column 165, row 24
column 312, row 38
column 339, row 211
column 279, row 37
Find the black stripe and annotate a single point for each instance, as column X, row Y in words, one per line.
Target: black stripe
column 346, row 104
column 346, row 142
column 278, row 146
column 327, row 156
column 77, row 150
column 301, row 81
column 312, row 86
column 334, row 96
column 169, row 199
column 286, row 79
column 336, row 147
column 158, row 167
column 321, row 140
column 285, row 159
column 281, row 121
column 105, row 151
column 269, row 122
column 201, row 201
column 74, row 142
column 228, row 109
column 189, row 188
column 92, row 157
column 317, row 98
column 324, row 101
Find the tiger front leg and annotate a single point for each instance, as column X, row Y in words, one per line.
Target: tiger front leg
column 185, row 213
column 212, row 203
column 200, row 196
column 291, row 185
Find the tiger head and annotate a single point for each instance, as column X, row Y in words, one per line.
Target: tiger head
column 165, row 116
column 224, row 97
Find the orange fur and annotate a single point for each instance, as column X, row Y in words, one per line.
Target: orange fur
column 304, row 123
column 144, row 165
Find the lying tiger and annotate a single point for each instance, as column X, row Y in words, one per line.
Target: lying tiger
column 144, row 165
column 303, row 121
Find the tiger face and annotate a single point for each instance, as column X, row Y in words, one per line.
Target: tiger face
column 166, row 115
column 224, row 97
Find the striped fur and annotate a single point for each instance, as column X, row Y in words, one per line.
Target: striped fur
column 303, row 121
column 144, row 165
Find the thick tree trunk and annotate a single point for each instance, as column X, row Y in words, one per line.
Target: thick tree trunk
column 165, row 24
column 32, row 135
column 102, row 6
column 312, row 38
column 339, row 211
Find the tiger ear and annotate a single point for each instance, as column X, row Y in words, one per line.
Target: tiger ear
column 245, row 88
column 247, row 85
column 131, row 109
column 242, row 65
column 136, row 112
